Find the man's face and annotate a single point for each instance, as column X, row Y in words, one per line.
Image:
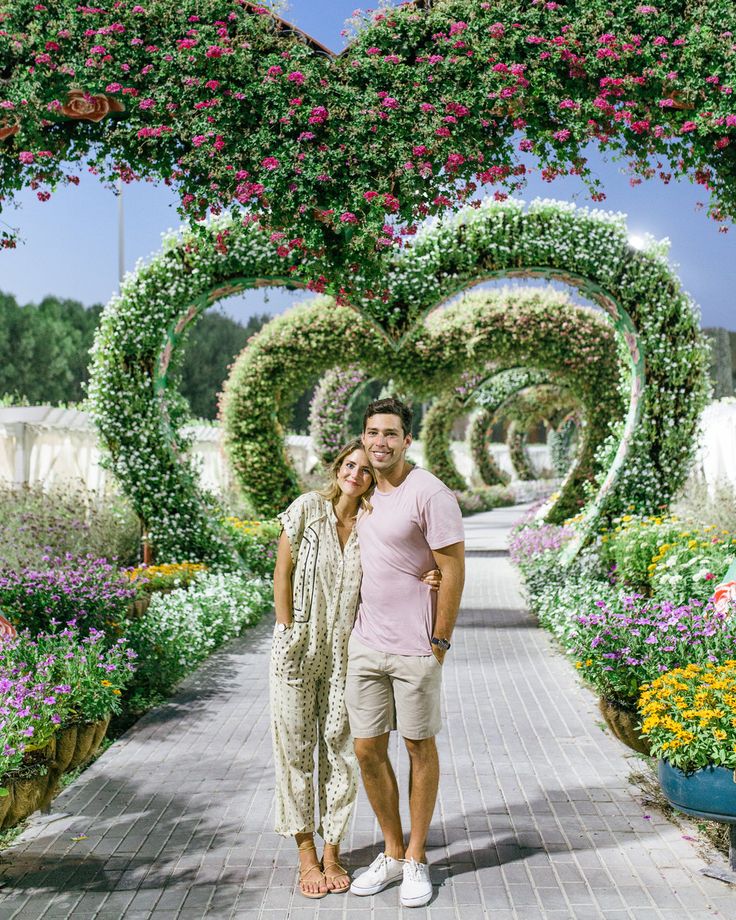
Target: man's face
column 385, row 441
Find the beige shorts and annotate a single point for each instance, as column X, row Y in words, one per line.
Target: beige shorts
column 386, row 691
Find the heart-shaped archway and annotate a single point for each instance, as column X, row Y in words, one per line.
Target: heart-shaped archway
column 132, row 390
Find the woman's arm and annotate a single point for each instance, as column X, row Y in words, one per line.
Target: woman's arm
column 282, row 590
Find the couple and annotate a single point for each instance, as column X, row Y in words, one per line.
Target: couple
column 341, row 683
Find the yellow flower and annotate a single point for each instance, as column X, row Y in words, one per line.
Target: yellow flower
column 719, row 734
column 106, row 683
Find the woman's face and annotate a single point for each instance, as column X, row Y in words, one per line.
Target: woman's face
column 354, row 476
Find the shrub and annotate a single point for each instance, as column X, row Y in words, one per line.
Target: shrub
column 180, row 629
column 36, row 522
column 79, row 588
column 256, row 543
column 485, row 498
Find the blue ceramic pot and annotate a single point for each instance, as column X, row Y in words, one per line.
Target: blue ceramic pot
column 708, row 793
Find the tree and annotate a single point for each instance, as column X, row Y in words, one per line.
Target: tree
column 214, row 343
column 44, row 348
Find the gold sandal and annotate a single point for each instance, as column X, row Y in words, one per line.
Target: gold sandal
column 303, row 873
column 343, row 871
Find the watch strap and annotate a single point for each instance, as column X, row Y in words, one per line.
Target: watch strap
column 441, row 643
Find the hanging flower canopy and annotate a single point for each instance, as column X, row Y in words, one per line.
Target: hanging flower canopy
column 339, row 157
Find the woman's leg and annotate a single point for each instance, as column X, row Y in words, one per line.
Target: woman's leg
column 294, row 734
column 338, row 778
column 311, row 879
column 294, row 731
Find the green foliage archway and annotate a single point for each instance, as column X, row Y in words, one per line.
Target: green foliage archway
column 142, row 333
column 235, row 109
column 490, row 397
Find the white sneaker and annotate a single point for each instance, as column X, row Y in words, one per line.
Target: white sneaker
column 416, row 889
column 379, row 875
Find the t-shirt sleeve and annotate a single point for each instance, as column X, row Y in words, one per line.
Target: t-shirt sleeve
column 292, row 523
column 442, row 521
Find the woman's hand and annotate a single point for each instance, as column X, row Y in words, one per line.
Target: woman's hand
column 433, row 578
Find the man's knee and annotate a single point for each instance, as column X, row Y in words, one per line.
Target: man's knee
column 422, row 750
column 371, row 752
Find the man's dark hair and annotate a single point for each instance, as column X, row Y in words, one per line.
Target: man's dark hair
column 390, row 406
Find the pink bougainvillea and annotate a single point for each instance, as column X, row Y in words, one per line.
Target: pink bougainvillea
column 423, row 108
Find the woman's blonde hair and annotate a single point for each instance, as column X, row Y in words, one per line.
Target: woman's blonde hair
column 332, row 490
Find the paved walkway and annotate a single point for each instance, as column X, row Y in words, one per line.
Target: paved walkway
column 535, row 819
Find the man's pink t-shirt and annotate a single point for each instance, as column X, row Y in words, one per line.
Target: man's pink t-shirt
column 396, row 539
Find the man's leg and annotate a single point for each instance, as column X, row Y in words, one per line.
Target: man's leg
column 382, row 789
column 424, row 779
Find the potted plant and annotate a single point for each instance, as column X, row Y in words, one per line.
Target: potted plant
column 689, row 718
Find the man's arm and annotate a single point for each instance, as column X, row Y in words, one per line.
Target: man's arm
column 450, row 561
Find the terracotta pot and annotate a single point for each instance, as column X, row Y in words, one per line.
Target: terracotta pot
column 622, row 723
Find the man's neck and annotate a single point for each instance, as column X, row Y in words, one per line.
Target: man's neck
column 391, row 479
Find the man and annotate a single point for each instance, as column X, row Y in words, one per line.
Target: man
column 398, row 646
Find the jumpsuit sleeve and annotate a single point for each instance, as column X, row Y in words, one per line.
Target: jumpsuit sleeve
column 292, row 524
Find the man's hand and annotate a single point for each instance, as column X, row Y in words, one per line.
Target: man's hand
column 439, row 653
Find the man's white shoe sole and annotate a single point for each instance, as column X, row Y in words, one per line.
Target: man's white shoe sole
column 417, row 902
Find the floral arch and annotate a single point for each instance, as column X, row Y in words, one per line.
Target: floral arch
column 143, row 331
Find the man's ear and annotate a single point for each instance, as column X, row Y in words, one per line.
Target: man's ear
column 407, row 441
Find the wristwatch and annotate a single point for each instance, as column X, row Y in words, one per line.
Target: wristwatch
column 282, row 627
column 441, row 643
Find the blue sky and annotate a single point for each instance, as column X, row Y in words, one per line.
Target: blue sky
column 70, row 243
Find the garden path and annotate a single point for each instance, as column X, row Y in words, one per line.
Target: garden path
column 536, row 818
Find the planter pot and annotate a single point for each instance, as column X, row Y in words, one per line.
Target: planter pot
column 5, row 803
column 708, row 793
column 622, row 723
column 26, row 796
column 89, row 738
column 70, row 748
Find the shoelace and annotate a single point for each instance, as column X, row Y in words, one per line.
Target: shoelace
column 414, row 870
column 380, row 862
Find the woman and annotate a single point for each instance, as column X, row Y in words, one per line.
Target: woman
column 316, row 593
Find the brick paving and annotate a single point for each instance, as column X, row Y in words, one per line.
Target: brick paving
column 536, row 818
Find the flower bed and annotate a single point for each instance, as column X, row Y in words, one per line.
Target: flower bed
column 182, row 628
column 624, row 642
column 624, row 645
column 88, row 590
column 63, row 677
